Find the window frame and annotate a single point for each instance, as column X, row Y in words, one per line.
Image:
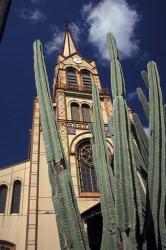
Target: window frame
column 87, row 85
column 78, row 106
column 89, row 111
column 94, row 194
column 70, row 84
column 12, row 199
column 6, row 194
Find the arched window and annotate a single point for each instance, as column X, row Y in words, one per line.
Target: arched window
column 87, row 173
column 71, row 76
column 5, row 245
column 86, row 113
column 75, row 113
column 86, row 78
column 3, row 195
column 15, row 206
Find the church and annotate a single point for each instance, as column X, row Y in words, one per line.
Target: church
column 27, row 217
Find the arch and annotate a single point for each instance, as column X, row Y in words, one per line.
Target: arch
column 64, row 67
column 83, row 68
column 16, row 196
column 86, row 102
column 73, row 101
column 86, row 78
column 85, row 135
column 6, row 245
column 75, row 111
column 3, row 196
column 71, row 76
column 86, row 115
column 77, row 139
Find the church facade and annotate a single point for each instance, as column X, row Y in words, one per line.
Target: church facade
column 27, row 217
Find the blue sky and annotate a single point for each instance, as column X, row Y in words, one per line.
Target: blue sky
column 139, row 27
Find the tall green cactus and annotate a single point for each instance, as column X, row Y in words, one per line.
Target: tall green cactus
column 143, row 158
column 143, row 101
column 104, row 175
column 129, row 208
column 70, row 228
column 145, row 78
column 157, row 170
column 142, row 140
column 127, row 195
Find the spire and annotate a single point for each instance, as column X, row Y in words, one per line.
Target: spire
column 69, row 47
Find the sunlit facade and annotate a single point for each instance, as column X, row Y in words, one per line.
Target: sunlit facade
column 27, row 217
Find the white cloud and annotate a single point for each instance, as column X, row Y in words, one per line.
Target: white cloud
column 55, row 44
column 35, row 16
column 114, row 16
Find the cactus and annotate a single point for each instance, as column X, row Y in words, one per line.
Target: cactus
column 143, row 101
column 104, row 176
column 139, row 162
column 4, row 10
column 142, row 140
column 145, row 78
column 70, row 228
column 128, row 207
column 156, row 172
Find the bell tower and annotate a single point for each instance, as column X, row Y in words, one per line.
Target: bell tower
column 72, row 98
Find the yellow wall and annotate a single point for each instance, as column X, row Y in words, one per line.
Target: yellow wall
column 13, row 226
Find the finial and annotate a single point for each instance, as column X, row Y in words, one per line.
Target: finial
column 66, row 25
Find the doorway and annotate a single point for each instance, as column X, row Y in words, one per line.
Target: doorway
column 93, row 219
column 94, row 229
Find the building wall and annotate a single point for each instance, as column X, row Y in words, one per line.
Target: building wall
column 35, row 228
column 47, row 228
column 13, row 226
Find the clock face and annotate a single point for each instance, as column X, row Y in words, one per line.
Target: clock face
column 77, row 60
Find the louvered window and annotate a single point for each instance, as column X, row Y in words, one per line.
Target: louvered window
column 3, row 195
column 75, row 114
column 86, row 113
column 71, row 77
column 86, row 78
column 87, row 172
column 16, row 197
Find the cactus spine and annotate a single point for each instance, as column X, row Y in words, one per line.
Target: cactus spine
column 71, row 233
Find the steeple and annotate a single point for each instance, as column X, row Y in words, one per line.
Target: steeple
column 69, row 46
